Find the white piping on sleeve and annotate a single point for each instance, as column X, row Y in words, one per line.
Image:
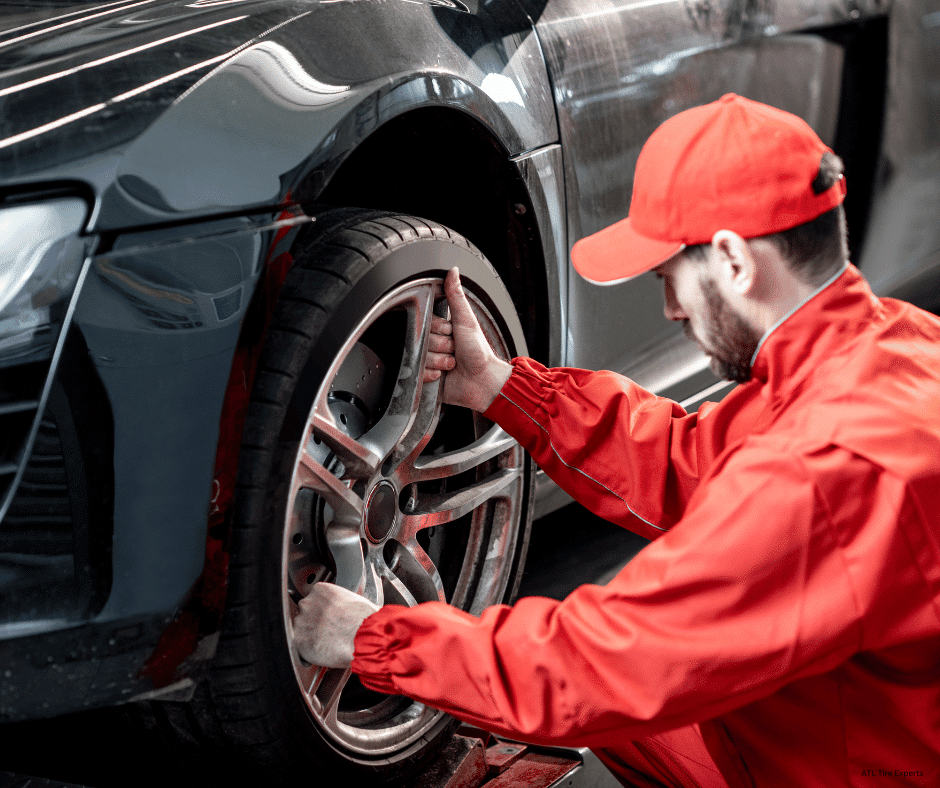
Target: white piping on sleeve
column 585, row 475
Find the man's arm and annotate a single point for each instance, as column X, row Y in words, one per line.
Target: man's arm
column 595, row 413
column 751, row 594
column 625, row 454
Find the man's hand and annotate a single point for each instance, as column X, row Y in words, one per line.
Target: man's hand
column 475, row 374
column 326, row 626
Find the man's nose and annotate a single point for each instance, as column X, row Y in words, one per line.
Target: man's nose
column 671, row 308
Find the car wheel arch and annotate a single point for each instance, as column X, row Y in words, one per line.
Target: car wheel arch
column 479, row 192
column 491, row 194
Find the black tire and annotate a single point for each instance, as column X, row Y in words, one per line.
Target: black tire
column 372, row 276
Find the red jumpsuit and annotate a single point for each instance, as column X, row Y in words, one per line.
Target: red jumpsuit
column 790, row 600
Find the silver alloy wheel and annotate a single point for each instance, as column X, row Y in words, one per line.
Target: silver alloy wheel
column 383, row 495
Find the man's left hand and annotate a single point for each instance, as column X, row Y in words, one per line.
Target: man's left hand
column 326, row 626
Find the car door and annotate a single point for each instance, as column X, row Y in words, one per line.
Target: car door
column 621, row 67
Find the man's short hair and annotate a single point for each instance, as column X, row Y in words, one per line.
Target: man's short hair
column 816, row 249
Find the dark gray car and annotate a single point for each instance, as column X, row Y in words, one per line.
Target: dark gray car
column 224, row 227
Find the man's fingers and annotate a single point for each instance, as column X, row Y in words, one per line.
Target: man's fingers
column 440, row 354
column 440, row 344
column 441, row 325
column 441, row 361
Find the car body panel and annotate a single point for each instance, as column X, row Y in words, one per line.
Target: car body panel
column 193, row 88
column 156, row 326
column 168, row 114
column 902, row 252
column 543, row 173
column 148, row 338
column 619, row 70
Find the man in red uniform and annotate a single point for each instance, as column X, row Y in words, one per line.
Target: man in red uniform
column 783, row 626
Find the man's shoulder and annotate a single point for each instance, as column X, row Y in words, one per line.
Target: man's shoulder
column 882, row 409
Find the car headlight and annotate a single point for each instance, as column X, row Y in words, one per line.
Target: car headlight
column 40, row 260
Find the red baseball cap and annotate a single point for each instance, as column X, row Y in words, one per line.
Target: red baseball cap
column 734, row 164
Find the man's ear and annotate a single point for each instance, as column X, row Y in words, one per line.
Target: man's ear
column 736, row 265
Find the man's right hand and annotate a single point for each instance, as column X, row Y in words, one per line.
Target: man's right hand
column 457, row 348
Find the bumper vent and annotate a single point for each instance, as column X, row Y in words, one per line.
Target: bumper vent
column 38, row 579
column 20, row 392
column 39, row 521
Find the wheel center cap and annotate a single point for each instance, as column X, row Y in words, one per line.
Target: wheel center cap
column 383, row 504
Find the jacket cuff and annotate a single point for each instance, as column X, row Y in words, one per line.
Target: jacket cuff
column 374, row 647
column 524, row 390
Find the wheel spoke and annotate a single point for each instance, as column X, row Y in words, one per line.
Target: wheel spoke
column 428, row 411
column 412, row 409
column 359, row 461
column 373, row 590
column 416, row 571
column 326, row 690
column 396, row 591
column 438, row 509
column 492, row 444
column 347, row 506
column 346, row 549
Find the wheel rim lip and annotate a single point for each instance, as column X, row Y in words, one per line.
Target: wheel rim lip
column 410, row 726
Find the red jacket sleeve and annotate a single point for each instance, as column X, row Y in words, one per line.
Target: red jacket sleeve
column 758, row 586
column 619, row 450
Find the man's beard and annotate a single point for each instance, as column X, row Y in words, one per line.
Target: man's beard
column 729, row 340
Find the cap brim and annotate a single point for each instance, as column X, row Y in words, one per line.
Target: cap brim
column 618, row 253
